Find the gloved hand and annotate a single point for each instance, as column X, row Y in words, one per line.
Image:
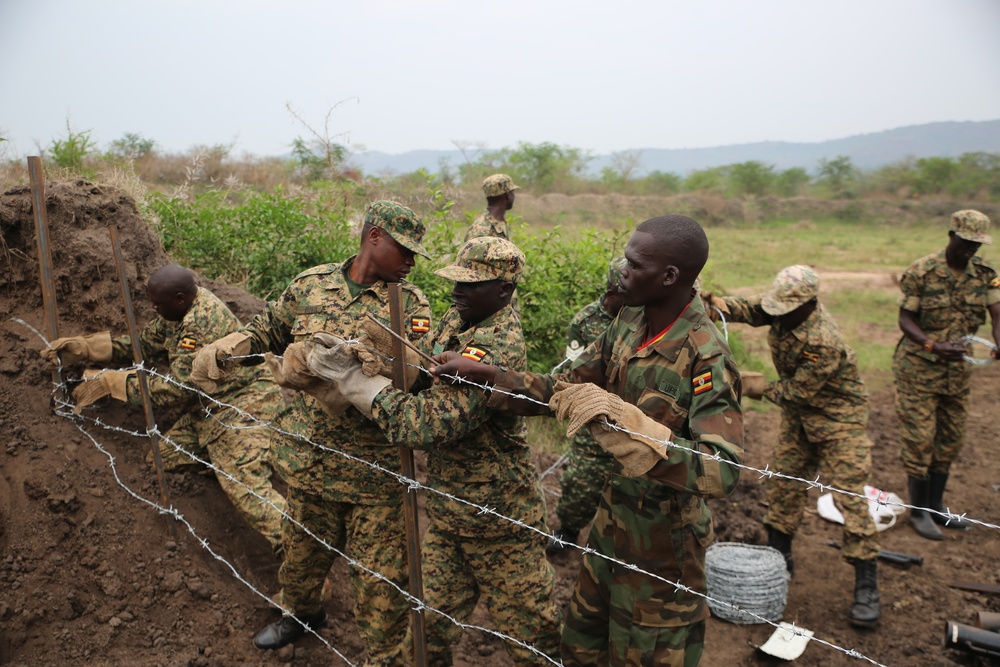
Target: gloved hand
column 97, row 384
column 581, row 403
column 754, row 384
column 374, row 350
column 292, row 371
column 213, row 363
column 713, row 304
column 336, row 362
column 95, row 348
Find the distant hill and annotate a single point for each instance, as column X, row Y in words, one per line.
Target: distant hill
column 867, row 151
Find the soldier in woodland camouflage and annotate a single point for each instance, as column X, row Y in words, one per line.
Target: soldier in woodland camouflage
column 343, row 500
column 588, row 464
column 945, row 297
column 824, row 411
column 479, row 456
column 188, row 317
column 499, row 189
column 660, row 373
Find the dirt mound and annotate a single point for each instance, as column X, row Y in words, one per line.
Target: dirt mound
column 90, row 574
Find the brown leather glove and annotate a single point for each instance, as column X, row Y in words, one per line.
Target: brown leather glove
column 581, row 403
column 638, row 449
column 97, row 384
column 95, row 349
column 336, row 363
column 374, row 349
column 292, row 371
column 213, row 363
column 754, row 384
column 714, row 304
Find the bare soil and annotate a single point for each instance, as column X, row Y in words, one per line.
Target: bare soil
column 91, row 575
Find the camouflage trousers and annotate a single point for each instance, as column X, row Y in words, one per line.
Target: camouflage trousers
column 841, row 454
column 932, row 402
column 513, row 577
column 376, row 537
column 587, row 468
column 623, row 617
column 243, row 454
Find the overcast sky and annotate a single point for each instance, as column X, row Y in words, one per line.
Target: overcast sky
column 604, row 76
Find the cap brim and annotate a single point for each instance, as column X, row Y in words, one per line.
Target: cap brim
column 463, row 275
column 975, row 238
column 772, row 305
column 411, row 245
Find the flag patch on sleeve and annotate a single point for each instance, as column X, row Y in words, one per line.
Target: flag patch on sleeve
column 474, row 353
column 420, row 324
column 702, row 383
column 811, row 357
column 995, row 282
column 188, row 343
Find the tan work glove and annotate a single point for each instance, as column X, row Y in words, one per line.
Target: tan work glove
column 292, row 371
column 714, row 304
column 753, row 384
column 336, row 362
column 213, row 363
column 99, row 383
column 95, row 349
column 374, row 351
column 636, row 453
column 581, row 403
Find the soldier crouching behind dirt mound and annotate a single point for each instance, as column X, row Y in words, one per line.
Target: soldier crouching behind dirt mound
column 188, row 317
column 661, row 372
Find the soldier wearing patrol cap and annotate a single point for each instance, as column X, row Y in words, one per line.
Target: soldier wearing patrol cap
column 340, row 499
column 946, row 296
column 499, row 189
column 475, row 454
column 824, row 412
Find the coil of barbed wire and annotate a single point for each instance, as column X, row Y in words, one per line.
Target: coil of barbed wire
column 750, row 578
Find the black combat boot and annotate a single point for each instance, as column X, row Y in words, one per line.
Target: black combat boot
column 939, row 480
column 867, row 607
column 568, row 536
column 920, row 493
column 287, row 629
column 783, row 543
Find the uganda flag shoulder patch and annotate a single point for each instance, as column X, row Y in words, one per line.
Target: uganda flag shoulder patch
column 474, row 353
column 702, row 383
column 811, row 357
column 188, row 343
column 995, row 282
column 420, row 325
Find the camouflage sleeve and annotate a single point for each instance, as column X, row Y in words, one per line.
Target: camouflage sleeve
column 434, row 418
column 747, row 311
column 993, row 288
column 271, row 330
column 715, row 422
column 912, row 285
column 817, row 367
column 164, row 393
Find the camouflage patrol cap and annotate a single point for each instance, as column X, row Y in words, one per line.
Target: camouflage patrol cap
column 485, row 258
column 615, row 270
column 971, row 226
column 499, row 184
column 399, row 222
column 794, row 286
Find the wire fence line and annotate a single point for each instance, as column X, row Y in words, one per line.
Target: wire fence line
column 64, row 409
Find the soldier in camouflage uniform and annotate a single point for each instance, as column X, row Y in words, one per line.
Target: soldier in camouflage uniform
column 499, row 189
column 824, row 412
column 477, row 455
column 945, row 297
column 669, row 375
column 342, row 500
column 188, row 318
column 587, row 464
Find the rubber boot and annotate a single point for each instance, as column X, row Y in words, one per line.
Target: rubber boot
column 920, row 497
column 867, row 607
column 938, row 481
column 783, row 543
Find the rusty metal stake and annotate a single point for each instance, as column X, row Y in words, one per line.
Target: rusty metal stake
column 147, row 403
column 45, row 259
column 409, row 469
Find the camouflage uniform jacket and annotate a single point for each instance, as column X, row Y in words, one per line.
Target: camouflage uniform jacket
column 319, row 299
column 174, row 344
column 474, row 453
column 585, row 327
column 947, row 306
column 487, row 225
column 817, row 370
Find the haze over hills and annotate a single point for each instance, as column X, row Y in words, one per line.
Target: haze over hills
column 867, row 151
